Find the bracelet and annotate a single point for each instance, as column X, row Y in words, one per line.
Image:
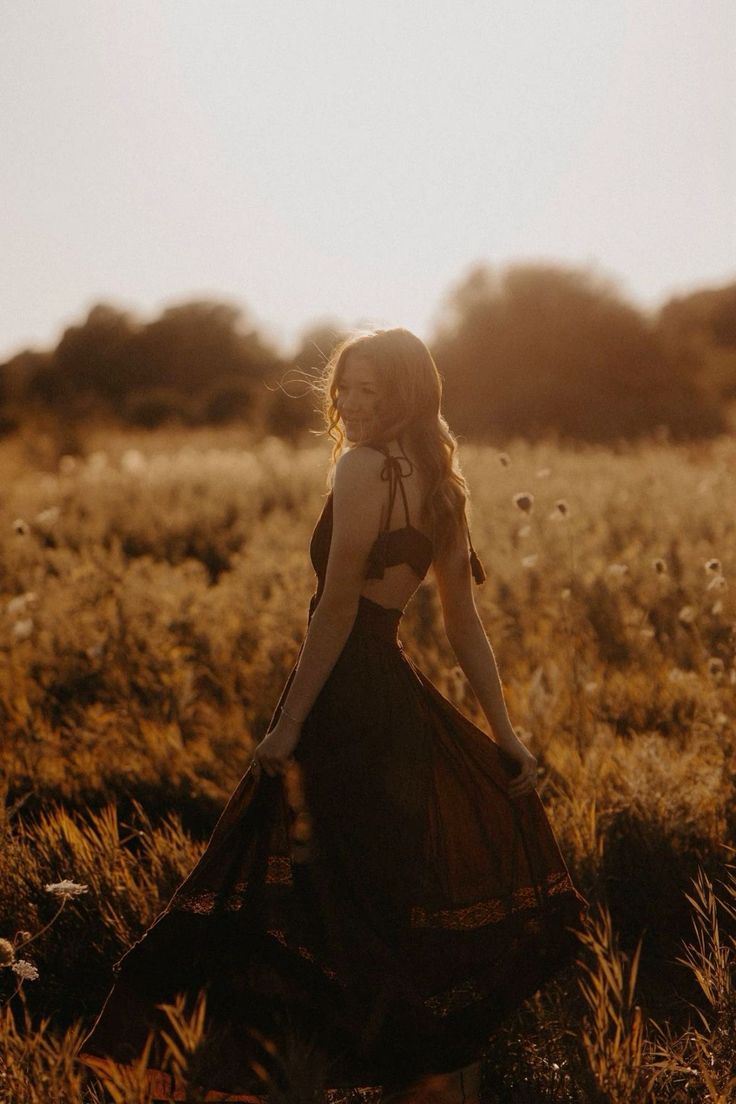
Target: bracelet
column 291, row 716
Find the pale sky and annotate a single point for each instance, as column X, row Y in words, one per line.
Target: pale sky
column 351, row 161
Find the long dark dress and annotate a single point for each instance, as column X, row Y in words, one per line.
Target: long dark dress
column 386, row 899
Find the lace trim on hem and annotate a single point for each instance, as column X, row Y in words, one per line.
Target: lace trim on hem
column 279, row 872
column 492, row 911
column 280, row 935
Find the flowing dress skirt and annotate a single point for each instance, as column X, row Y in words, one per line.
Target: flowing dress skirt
column 386, row 899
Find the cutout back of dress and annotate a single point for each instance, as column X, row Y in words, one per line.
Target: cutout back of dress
column 392, row 546
column 398, row 546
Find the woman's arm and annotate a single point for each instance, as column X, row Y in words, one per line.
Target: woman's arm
column 470, row 644
column 474, row 653
column 356, row 513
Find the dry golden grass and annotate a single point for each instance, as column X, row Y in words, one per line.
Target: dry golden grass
column 153, row 595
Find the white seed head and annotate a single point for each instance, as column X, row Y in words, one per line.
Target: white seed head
column 25, row 970
column 47, row 519
column 65, row 888
column 18, row 604
column 133, row 461
column 23, row 629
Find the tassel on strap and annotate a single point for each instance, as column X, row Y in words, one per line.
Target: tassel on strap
column 476, row 567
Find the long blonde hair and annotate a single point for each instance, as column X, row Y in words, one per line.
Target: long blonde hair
column 409, row 409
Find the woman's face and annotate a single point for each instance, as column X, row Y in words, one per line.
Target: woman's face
column 358, row 397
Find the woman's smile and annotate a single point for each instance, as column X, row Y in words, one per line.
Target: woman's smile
column 359, row 381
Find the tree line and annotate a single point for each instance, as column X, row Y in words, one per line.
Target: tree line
column 531, row 349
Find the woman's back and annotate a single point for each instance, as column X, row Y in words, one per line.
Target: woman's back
column 402, row 553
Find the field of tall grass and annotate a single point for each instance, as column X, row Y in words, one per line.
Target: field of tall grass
column 153, row 595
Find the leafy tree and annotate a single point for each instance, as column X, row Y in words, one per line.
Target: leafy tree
column 701, row 328
column 541, row 348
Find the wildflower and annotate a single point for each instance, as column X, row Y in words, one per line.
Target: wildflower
column 23, row 629
column 65, row 889
column 618, row 570
column 718, row 582
column 133, row 461
column 543, row 473
column 524, row 501
column 659, row 566
column 529, row 561
column 713, row 565
column 20, row 527
column 25, row 970
column 46, row 519
column 7, row 953
column 504, row 459
column 687, row 615
column 19, row 603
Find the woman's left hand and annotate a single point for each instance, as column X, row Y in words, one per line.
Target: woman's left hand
column 277, row 746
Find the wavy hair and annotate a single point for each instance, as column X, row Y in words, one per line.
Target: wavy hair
column 408, row 409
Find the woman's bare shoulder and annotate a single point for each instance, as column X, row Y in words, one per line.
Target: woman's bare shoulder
column 357, row 471
column 358, row 462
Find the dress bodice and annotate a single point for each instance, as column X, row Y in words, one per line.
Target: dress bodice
column 392, row 546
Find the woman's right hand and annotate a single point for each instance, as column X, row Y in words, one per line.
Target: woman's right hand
column 526, row 779
column 276, row 747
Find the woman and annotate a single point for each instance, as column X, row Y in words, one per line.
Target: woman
column 383, row 884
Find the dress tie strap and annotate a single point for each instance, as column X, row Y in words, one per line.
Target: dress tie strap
column 476, row 566
column 392, row 472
